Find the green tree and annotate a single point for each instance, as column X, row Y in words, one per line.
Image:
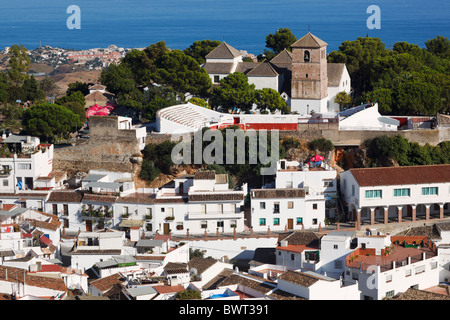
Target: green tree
column 282, row 39
column 183, row 74
column 49, row 86
column 199, row 49
column 342, row 99
column 439, row 46
column 83, row 87
column 271, row 100
column 75, row 96
column 19, row 64
column 32, row 90
column 148, row 171
column 384, row 98
column 234, row 92
column 50, row 121
column 358, row 56
column 188, row 294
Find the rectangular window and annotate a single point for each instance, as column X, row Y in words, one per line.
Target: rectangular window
column 203, row 224
column 419, row 269
column 429, row 191
column 406, row 192
column 433, row 265
column 314, row 221
column 276, row 221
column 290, row 204
column 335, row 246
column 5, row 182
column 390, row 294
column 314, row 206
column 299, row 220
column 389, row 278
column 276, row 207
column 262, row 205
column 353, row 190
column 407, row 272
column 373, row 194
column 24, row 166
column 125, row 210
column 262, row 221
column 216, row 79
column 292, row 256
column 327, row 183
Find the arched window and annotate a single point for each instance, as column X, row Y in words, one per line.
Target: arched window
column 307, row 57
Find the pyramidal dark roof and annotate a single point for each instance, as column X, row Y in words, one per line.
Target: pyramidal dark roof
column 264, row 69
column 223, row 51
column 309, row 41
column 284, row 57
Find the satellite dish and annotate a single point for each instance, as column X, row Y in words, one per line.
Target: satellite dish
column 193, row 272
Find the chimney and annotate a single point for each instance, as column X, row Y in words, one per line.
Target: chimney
column 283, row 243
column 39, row 265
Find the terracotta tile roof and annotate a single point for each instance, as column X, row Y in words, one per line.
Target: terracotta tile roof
column 96, row 96
column 259, row 284
column 137, row 198
column 201, row 264
column 174, row 267
column 218, row 67
column 426, row 231
column 163, row 289
column 283, row 295
column 205, row 175
column 299, row 278
column 16, row 275
column 283, row 58
column 216, row 197
column 309, row 41
column 264, row 69
column 415, row 294
column 53, row 224
column 402, row 175
column 106, row 283
column 277, row 193
column 299, row 237
column 223, row 51
column 245, row 67
column 149, row 258
column 99, row 198
column 65, row 196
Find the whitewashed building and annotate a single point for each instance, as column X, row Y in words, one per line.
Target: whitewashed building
column 24, row 159
column 384, row 266
column 396, row 193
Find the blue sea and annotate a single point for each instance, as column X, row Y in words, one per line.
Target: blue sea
column 243, row 24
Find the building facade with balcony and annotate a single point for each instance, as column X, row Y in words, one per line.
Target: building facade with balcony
column 384, row 266
column 190, row 204
column 23, row 159
column 396, row 194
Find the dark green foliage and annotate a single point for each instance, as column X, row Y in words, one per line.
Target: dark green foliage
column 381, row 149
column 406, row 80
column 160, row 155
column 32, row 91
column 268, row 99
column 83, row 87
column 199, row 49
column 50, row 121
column 321, row 144
column 188, row 294
column 148, row 171
column 282, row 39
column 234, row 92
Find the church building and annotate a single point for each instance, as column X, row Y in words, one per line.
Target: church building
column 303, row 77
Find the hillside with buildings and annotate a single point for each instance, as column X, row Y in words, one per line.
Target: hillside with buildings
column 354, row 206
